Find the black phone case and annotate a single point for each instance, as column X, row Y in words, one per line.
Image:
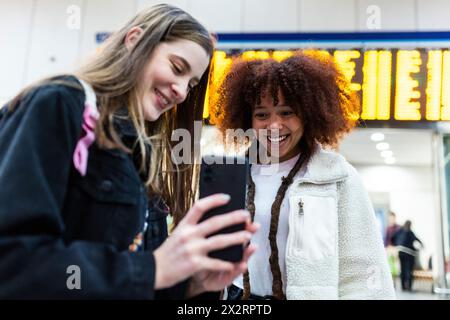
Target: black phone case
column 226, row 175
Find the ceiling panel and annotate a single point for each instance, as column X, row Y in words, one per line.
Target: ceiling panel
column 409, row 146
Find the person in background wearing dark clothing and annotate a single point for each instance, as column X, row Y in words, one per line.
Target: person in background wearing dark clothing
column 391, row 229
column 391, row 251
column 404, row 240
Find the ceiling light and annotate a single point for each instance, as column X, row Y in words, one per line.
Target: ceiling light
column 378, row 136
column 387, row 154
column 382, row 146
column 390, row 160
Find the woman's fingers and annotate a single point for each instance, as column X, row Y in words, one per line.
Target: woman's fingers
column 193, row 237
column 242, row 266
column 226, row 240
column 219, row 222
column 203, row 205
column 252, row 227
column 249, row 251
column 216, row 265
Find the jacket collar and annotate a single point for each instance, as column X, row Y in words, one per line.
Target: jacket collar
column 325, row 167
column 124, row 125
column 129, row 137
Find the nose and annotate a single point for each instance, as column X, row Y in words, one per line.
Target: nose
column 275, row 123
column 180, row 91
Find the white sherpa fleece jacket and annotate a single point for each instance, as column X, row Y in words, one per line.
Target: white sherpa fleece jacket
column 334, row 248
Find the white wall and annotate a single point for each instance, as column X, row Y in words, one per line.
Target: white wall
column 412, row 197
column 103, row 16
column 15, row 27
column 37, row 42
column 53, row 47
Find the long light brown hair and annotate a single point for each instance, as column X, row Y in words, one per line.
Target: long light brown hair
column 114, row 72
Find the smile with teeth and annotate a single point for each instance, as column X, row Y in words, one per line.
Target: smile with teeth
column 277, row 139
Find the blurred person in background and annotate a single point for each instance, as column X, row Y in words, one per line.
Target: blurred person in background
column 391, row 250
column 408, row 246
column 391, row 229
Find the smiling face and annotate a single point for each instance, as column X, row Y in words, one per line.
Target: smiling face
column 174, row 68
column 282, row 118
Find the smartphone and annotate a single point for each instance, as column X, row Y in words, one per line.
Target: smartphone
column 229, row 175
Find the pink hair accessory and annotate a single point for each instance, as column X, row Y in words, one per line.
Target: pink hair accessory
column 81, row 154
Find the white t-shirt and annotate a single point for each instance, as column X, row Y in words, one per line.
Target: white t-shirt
column 266, row 189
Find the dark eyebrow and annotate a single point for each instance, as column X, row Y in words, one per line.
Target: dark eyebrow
column 284, row 106
column 186, row 65
column 279, row 106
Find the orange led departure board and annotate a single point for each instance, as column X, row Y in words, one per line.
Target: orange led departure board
column 393, row 84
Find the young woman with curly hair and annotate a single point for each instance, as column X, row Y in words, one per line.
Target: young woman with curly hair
column 318, row 238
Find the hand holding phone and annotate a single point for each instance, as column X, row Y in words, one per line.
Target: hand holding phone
column 221, row 174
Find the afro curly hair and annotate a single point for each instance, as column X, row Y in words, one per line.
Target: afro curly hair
column 310, row 83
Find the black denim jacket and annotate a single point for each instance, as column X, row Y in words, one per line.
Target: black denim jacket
column 52, row 218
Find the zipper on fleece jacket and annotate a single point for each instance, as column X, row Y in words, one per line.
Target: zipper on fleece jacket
column 301, row 216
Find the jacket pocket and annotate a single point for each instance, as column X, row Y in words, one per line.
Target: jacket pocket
column 108, row 204
column 110, row 178
column 110, row 189
column 312, row 226
column 298, row 223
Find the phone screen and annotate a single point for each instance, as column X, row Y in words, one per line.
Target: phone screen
column 229, row 175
